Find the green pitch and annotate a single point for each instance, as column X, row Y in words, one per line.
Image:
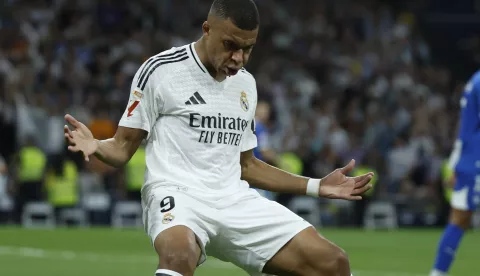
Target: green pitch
column 100, row 252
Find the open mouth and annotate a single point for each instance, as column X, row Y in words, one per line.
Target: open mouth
column 231, row 71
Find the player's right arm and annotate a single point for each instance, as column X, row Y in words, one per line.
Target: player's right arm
column 115, row 151
column 144, row 106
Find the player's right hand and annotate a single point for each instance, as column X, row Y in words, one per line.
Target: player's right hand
column 80, row 139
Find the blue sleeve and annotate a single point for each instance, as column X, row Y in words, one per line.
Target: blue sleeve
column 263, row 137
column 469, row 103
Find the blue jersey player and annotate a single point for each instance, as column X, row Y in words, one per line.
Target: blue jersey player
column 263, row 150
column 465, row 161
column 262, row 139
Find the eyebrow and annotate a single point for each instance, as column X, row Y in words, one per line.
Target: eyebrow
column 238, row 44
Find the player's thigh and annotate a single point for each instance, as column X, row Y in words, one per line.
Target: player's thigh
column 253, row 230
column 178, row 250
column 461, row 218
column 177, row 227
column 308, row 253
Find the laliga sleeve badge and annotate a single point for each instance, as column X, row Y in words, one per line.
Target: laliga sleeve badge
column 167, row 218
column 138, row 94
column 244, row 101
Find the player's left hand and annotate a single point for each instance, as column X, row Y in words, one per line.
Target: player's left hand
column 340, row 186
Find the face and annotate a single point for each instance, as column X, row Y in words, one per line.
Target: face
column 228, row 47
column 262, row 112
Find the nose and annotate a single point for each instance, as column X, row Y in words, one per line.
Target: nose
column 237, row 56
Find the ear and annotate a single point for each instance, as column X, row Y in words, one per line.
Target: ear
column 206, row 28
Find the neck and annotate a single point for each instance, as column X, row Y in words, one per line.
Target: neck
column 202, row 55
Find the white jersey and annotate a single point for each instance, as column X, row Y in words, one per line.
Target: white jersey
column 197, row 126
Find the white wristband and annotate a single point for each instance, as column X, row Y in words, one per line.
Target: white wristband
column 313, row 187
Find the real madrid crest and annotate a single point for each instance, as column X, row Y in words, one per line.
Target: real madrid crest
column 244, row 101
column 167, row 218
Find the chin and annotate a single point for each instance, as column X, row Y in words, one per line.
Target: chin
column 221, row 73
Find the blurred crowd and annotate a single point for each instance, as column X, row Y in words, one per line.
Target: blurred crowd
column 336, row 80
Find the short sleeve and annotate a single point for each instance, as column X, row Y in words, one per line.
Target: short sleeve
column 249, row 140
column 145, row 103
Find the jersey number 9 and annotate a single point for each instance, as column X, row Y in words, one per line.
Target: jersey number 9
column 167, row 204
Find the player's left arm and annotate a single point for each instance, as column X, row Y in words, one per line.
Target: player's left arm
column 263, row 176
column 335, row 185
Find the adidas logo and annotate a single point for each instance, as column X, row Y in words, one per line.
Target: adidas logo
column 195, row 99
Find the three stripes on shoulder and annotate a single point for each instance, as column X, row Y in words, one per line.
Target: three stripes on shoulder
column 157, row 61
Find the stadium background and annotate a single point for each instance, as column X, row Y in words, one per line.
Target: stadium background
column 378, row 81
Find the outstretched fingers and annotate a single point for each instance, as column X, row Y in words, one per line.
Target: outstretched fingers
column 355, row 193
column 71, row 120
column 362, row 190
column 68, row 135
column 354, row 197
column 363, row 179
column 73, row 148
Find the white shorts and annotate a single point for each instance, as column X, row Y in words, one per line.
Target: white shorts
column 245, row 228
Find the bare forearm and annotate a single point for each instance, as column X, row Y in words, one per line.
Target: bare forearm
column 113, row 152
column 263, row 176
column 118, row 150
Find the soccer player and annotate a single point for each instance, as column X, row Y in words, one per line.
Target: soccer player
column 263, row 150
column 195, row 105
column 465, row 161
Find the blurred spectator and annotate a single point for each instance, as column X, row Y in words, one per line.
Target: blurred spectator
column 30, row 176
column 263, row 151
column 61, row 184
column 343, row 79
column 371, row 164
column 55, row 140
column 101, row 125
column 6, row 202
column 102, row 128
column 134, row 175
column 400, row 161
column 8, row 125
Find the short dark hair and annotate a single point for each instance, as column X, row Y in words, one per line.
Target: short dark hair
column 243, row 13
